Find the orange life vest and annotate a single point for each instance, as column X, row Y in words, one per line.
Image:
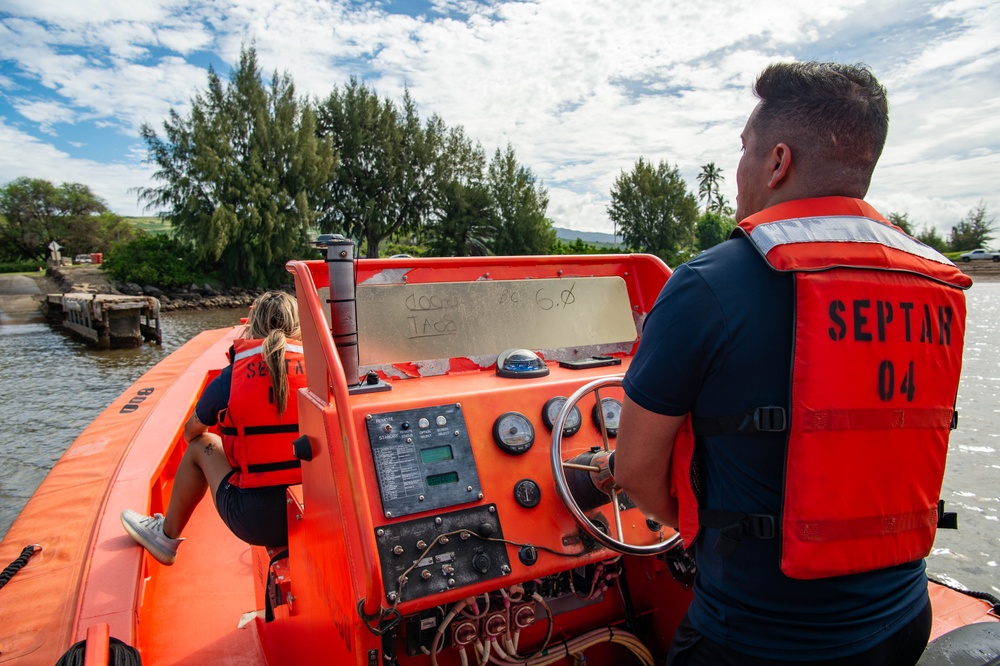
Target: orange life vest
column 256, row 440
column 877, row 354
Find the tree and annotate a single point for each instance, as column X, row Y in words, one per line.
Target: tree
column 465, row 217
column 930, row 236
column 976, row 230
column 712, row 229
column 708, row 187
column 388, row 175
column 466, row 221
column 34, row 212
column 721, row 205
column 654, row 211
column 901, row 220
column 520, row 225
column 157, row 260
column 241, row 173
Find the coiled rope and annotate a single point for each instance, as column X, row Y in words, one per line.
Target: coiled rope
column 19, row 563
column 119, row 654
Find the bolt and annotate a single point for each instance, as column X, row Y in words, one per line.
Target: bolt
column 391, row 596
column 480, row 496
column 425, row 574
column 437, row 521
column 451, row 582
column 505, row 569
column 398, row 550
column 456, row 433
column 492, row 509
column 443, row 540
column 380, row 532
column 368, row 417
column 421, row 498
column 458, row 405
column 469, row 489
column 388, row 514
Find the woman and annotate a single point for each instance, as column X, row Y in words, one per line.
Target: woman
column 248, row 468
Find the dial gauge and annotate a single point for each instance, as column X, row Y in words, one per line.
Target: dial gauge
column 611, row 409
column 513, row 433
column 527, row 493
column 551, row 410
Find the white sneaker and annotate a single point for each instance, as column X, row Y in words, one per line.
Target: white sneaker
column 148, row 533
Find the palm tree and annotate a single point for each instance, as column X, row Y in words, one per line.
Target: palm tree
column 708, row 184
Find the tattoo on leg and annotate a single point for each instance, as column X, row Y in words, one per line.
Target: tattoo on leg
column 209, row 449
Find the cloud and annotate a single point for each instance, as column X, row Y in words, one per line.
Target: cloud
column 24, row 155
column 580, row 90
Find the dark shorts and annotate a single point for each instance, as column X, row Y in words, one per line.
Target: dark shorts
column 255, row 515
column 904, row 648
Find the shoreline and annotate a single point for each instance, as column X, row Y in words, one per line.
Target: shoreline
column 23, row 301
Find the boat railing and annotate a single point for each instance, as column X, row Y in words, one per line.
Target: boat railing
column 326, row 380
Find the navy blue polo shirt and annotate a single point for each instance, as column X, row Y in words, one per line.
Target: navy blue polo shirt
column 718, row 342
column 215, row 397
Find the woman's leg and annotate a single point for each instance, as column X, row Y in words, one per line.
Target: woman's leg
column 203, row 466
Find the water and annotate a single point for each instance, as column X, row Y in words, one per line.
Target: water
column 52, row 386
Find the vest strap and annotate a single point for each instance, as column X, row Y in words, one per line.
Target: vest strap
column 734, row 527
column 260, row 430
column 274, row 467
column 762, row 419
column 947, row 520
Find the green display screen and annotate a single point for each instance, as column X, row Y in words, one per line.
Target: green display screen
column 441, row 479
column 436, row 454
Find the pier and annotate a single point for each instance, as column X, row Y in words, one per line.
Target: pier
column 108, row 321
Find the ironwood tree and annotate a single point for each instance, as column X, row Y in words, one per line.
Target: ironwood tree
column 388, row 173
column 654, row 211
column 240, row 174
column 464, row 216
column 520, row 226
column 975, row 230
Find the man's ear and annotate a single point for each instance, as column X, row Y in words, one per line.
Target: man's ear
column 781, row 160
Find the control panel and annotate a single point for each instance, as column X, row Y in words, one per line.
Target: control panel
column 423, row 459
column 427, row 555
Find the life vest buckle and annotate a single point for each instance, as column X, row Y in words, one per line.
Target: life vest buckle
column 761, row 526
column 770, row 419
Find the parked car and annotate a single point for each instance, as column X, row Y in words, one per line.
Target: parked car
column 82, row 259
column 980, row 253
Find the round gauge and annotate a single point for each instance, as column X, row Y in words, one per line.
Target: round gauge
column 513, row 433
column 551, row 410
column 527, row 493
column 612, row 413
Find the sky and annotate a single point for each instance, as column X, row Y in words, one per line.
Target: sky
column 581, row 89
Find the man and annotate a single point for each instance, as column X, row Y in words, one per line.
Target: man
column 817, row 353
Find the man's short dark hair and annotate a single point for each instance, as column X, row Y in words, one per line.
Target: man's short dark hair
column 833, row 116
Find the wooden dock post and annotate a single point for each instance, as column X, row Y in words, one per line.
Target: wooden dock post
column 108, row 321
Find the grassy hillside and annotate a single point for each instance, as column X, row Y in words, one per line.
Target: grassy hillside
column 153, row 225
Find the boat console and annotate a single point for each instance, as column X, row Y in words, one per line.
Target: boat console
column 457, row 504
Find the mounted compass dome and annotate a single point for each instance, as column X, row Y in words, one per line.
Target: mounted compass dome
column 521, row 364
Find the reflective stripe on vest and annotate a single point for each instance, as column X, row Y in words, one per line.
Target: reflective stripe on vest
column 840, row 229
